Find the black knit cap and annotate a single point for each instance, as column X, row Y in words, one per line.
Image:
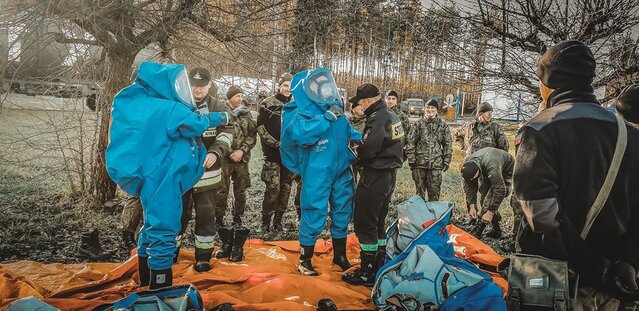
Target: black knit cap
column 628, row 103
column 392, row 93
column 469, row 169
column 199, row 77
column 567, row 65
column 364, row 91
column 233, row 90
column 432, row 102
column 484, row 107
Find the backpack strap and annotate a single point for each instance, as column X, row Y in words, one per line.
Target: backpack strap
column 513, row 301
column 620, row 149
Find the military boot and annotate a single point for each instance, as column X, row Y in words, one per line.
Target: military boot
column 306, row 266
column 226, row 236
column 326, row 305
column 128, row 239
column 339, row 254
column 495, row 232
column 380, row 257
column 160, row 278
column 143, row 270
column 90, row 246
column 365, row 274
column 277, row 221
column 239, row 237
column 478, row 230
column 266, row 223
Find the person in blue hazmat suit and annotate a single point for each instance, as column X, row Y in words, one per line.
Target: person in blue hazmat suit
column 315, row 144
column 155, row 153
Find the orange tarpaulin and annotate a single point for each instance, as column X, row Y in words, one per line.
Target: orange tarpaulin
column 267, row 279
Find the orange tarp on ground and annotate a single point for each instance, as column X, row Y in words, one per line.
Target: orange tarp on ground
column 267, row 279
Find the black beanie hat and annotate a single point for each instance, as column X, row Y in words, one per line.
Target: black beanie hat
column 469, row 169
column 233, row 90
column 567, row 65
column 628, row 103
column 432, row 102
column 392, row 93
column 484, row 107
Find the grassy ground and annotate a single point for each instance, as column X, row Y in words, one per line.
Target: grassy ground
column 41, row 221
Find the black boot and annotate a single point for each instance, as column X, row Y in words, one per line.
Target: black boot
column 226, row 236
column 326, row 305
column 128, row 239
column 365, row 274
column 478, row 230
column 161, row 278
column 266, row 223
column 239, row 237
column 277, row 221
column 202, row 266
column 495, row 233
column 143, row 270
column 339, row 254
column 380, row 257
column 90, row 246
column 306, row 266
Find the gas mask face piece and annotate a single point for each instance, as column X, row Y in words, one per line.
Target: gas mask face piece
column 183, row 90
column 320, row 87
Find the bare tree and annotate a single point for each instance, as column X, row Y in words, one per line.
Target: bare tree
column 121, row 29
column 516, row 32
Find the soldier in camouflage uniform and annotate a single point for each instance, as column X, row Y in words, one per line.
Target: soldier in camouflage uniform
column 358, row 121
column 485, row 132
column 391, row 100
column 276, row 177
column 203, row 195
column 429, row 151
column 236, row 165
column 131, row 221
column 488, row 172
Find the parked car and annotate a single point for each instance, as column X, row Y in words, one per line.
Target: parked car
column 404, row 106
column 415, row 106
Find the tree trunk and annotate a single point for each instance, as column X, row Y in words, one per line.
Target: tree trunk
column 102, row 187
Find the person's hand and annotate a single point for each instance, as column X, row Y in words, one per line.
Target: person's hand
column 240, row 111
column 472, row 211
column 488, row 216
column 623, row 281
column 411, row 163
column 210, row 159
column 236, row 155
column 334, row 113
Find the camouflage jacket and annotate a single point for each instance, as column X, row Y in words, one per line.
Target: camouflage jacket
column 245, row 136
column 404, row 119
column 358, row 123
column 429, row 144
column 485, row 135
column 496, row 172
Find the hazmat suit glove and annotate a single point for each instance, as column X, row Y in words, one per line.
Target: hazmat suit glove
column 240, row 111
column 334, row 113
column 622, row 281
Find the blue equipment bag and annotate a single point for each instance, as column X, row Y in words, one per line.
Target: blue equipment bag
column 176, row 298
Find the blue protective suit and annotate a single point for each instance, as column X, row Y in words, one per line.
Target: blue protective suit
column 155, row 152
column 316, row 145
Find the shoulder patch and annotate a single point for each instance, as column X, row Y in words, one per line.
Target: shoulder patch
column 518, row 138
column 397, row 131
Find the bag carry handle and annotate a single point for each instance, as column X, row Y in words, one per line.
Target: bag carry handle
column 620, row 149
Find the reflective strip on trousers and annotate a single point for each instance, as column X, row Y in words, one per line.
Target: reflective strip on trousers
column 209, row 178
column 204, row 242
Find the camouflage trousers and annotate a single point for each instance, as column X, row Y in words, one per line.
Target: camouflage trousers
column 427, row 181
column 236, row 175
column 589, row 299
column 278, row 180
column 132, row 214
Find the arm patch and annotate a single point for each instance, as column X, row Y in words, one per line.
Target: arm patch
column 397, row 131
